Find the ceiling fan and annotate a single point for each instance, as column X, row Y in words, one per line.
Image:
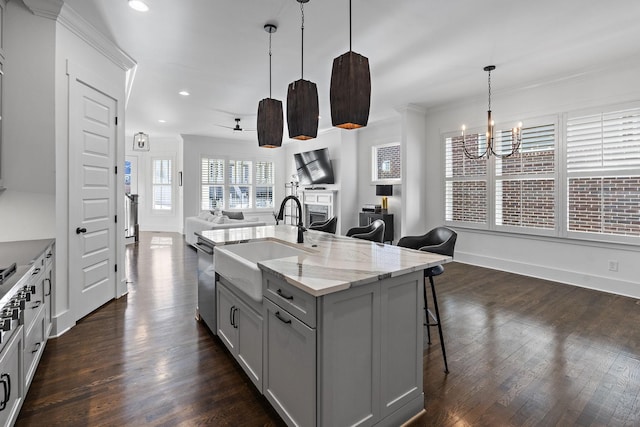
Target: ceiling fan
column 237, row 127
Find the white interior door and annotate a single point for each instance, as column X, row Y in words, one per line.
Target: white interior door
column 92, row 198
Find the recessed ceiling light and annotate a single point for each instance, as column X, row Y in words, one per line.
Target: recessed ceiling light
column 162, row 121
column 138, row 5
column 184, row 93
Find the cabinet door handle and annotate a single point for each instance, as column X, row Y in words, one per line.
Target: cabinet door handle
column 235, row 324
column 37, row 348
column 289, row 297
column 49, row 282
column 231, row 315
column 6, row 385
column 36, row 271
column 36, row 304
column 282, row 319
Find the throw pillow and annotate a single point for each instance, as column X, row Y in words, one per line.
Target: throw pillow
column 233, row 215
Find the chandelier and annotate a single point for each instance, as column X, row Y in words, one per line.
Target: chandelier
column 516, row 133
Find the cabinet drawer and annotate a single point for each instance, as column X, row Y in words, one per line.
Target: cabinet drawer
column 11, row 389
column 295, row 301
column 33, row 346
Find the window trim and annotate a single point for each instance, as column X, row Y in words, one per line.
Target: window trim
column 172, row 210
column 374, row 164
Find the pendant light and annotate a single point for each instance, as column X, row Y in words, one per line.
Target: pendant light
column 141, row 142
column 270, row 121
column 302, row 100
column 350, row 91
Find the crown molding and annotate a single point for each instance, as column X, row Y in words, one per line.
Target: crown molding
column 75, row 23
column 49, row 9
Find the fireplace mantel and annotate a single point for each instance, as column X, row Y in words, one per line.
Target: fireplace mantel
column 318, row 198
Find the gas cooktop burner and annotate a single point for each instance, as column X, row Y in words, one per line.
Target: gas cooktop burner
column 6, row 272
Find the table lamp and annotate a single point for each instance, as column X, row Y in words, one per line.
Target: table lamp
column 384, row 191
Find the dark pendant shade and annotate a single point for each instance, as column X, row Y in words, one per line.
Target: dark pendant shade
column 350, row 92
column 302, row 110
column 270, row 123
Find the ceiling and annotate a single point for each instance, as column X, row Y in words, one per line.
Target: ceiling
column 422, row 52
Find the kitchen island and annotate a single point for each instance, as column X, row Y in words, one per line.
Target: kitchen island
column 335, row 336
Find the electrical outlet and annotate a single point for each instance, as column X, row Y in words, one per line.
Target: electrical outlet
column 613, row 265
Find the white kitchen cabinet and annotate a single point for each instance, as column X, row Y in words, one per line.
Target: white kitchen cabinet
column 11, row 385
column 360, row 365
column 240, row 329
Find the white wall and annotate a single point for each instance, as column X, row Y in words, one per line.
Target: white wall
column 342, row 146
column 27, row 207
column 570, row 261
column 196, row 147
column 378, row 133
column 170, row 148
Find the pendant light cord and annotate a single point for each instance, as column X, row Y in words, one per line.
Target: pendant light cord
column 350, row 26
column 489, row 90
column 302, row 49
column 269, row 64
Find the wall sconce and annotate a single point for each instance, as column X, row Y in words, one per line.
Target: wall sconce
column 141, row 142
column 384, row 191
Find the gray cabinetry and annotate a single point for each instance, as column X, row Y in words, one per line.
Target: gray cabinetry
column 290, row 366
column 47, row 288
column 357, row 361
column 11, row 385
column 240, row 329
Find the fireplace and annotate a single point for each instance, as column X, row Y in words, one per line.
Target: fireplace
column 316, row 213
column 319, row 205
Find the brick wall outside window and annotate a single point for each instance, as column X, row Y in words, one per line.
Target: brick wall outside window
column 603, row 173
column 608, row 205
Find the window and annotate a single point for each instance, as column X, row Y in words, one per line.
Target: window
column 212, row 178
column 603, row 173
column 386, row 164
column 525, row 182
column 264, row 184
column 162, row 185
column 516, row 192
column 239, row 184
column 235, row 184
column 465, row 181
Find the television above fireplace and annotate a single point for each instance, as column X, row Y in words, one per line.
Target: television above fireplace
column 314, row 167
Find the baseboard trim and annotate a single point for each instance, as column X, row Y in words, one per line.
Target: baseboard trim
column 574, row 278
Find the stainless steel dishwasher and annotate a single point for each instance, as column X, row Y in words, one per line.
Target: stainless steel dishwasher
column 206, row 285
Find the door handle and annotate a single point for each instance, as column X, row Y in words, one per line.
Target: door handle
column 81, row 230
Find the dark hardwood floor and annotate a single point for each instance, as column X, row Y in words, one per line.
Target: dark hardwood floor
column 521, row 352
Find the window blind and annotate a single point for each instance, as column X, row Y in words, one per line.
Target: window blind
column 603, row 173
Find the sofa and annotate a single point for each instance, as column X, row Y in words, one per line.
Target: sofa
column 208, row 221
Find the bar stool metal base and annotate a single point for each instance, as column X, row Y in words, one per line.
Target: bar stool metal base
column 434, row 320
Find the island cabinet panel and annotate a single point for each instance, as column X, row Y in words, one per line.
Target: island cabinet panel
column 240, row 329
column 290, row 366
column 349, row 359
column 362, row 363
column 11, row 389
column 401, row 343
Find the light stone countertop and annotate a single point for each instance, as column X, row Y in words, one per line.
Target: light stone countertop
column 332, row 263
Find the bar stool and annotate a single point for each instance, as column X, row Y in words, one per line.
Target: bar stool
column 373, row 232
column 328, row 226
column 440, row 240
